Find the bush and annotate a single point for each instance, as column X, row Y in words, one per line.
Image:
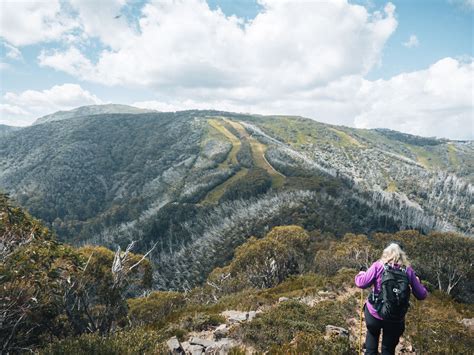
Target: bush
column 434, row 326
column 244, row 155
column 314, row 343
column 201, row 321
column 134, row 341
column 50, row 289
column 279, row 325
column 256, row 182
column 154, row 308
column 353, row 251
column 264, row 263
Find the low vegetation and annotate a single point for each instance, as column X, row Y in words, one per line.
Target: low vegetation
column 59, row 299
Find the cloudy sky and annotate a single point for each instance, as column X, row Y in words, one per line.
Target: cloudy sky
column 405, row 65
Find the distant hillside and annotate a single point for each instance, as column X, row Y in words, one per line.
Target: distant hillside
column 4, row 129
column 198, row 183
column 90, row 110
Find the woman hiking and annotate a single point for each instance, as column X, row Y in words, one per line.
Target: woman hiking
column 393, row 279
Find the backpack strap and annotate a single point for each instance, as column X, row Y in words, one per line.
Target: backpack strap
column 387, row 266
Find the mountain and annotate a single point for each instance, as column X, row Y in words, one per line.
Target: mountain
column 199, row 183
column 90, row 110
column 4, row 129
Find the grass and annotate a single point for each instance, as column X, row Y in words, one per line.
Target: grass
column 232, row 158
column 346, row 139
column 428, row 158
column 453, row 158
column 215, row 194
column 392, row 186
column 258, row 155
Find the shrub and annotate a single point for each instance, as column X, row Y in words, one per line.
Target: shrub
column 281, row 324
column 314, row 343
column 264, row 263
column 256, row 181
column 155, row 307
column 50, row 289
column 434, row 326
column 201, row 321
column 134, row 341
column 353, row 251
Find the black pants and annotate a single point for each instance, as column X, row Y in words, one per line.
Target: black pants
column 391, row 334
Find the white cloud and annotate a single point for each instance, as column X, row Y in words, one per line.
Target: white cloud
column 23, row 108
column 412, row 42
column 183, row 44
column 12, row 52
column 28, row 22
column 103, row 19
column 464, row 4
column 433, row 102
column 71, row 61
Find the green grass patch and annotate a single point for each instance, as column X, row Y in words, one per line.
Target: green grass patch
column 215, row 194
column 426, row 157
column 392, row 186
column 280, row 325
column 232, row 157
column 346, row 139
column 452, row 154
column 258, row 155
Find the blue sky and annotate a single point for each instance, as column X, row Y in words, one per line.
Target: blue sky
column 179, row 55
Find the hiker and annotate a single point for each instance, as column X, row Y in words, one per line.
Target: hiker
column 393, row 280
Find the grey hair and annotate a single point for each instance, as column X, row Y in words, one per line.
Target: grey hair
column 393, row 254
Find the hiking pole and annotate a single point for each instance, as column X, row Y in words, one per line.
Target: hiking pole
column 360, row 322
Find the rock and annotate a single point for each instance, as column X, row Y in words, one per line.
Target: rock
column 251, row 315
column 327, row 294
column 221, row 332
column 220, row 347
column 238, row 316
column 405, row 349
column 174, row 346
column 283, row 299
column 202, row 342
column 468, row 323
column 193, row 349
column 332, row 330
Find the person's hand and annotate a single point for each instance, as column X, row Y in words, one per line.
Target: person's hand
column 417, row 277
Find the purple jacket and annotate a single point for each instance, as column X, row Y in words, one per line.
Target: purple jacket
column 373, row 277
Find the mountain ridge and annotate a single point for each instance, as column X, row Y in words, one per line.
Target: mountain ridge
column 90, row 110
column 198, row 183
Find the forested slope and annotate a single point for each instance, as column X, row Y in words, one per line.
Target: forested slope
column 198, row 183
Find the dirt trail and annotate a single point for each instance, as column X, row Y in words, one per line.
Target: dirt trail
column 234, row 319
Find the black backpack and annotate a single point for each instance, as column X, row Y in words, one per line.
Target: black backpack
column 393, row 300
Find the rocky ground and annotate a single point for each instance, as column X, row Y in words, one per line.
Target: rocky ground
column 221, row 339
